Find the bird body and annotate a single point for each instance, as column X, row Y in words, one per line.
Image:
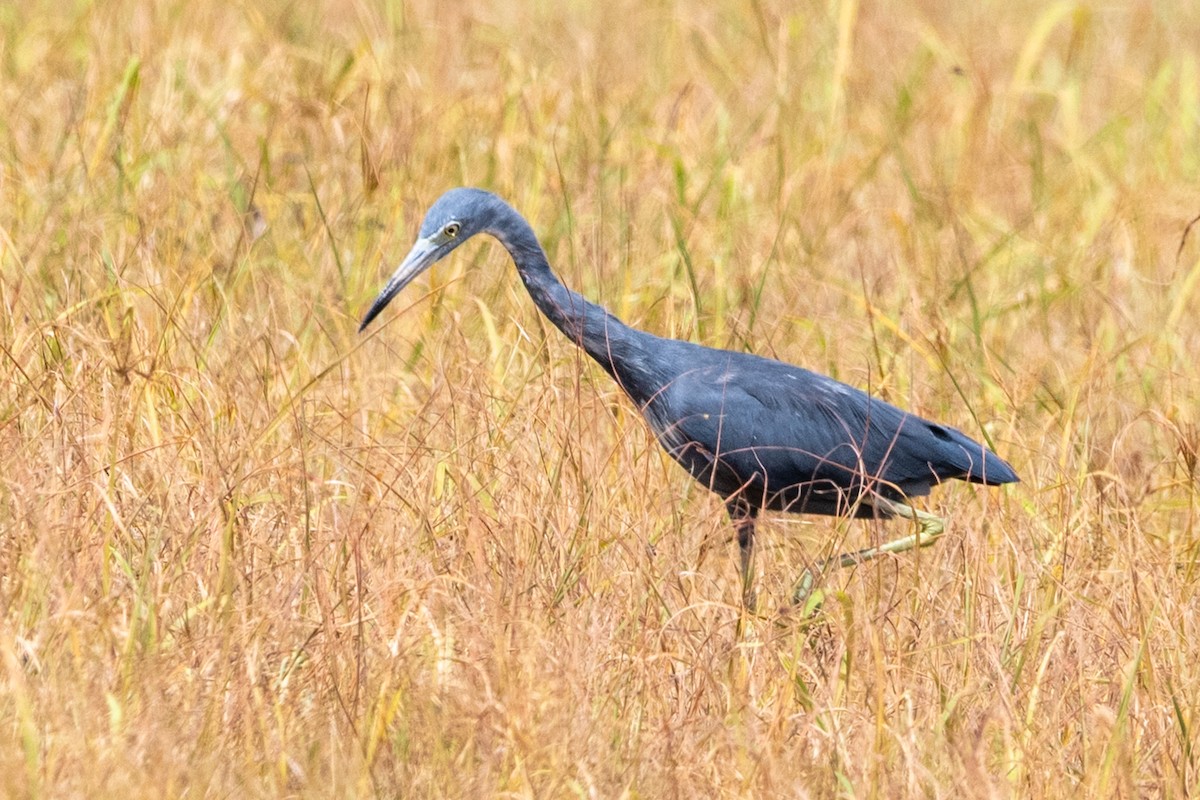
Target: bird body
column 787, row 439
column 762, row 434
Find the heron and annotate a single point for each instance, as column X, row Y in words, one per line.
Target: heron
column 762, row 434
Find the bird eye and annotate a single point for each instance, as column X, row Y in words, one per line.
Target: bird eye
column 451, row 230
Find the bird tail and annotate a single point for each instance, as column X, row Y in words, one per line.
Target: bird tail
column 985, row 467
column 992, row 470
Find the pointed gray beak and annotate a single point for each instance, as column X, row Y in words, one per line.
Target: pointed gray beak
column 422, row 256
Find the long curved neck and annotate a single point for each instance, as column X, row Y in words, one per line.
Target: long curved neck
column 601, row 335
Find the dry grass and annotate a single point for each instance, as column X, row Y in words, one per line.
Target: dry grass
column 246, row 552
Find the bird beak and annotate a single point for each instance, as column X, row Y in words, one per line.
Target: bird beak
column 422, row 256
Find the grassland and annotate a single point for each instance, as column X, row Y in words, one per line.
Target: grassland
column 245, row 552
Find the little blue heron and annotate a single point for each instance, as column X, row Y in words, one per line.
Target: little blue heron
column 762, row 434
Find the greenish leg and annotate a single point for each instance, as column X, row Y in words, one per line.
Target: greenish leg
column 929, row 529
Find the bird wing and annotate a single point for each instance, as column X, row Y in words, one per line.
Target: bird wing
column 792, row 427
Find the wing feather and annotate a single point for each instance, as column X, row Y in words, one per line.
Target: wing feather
column 747, row 421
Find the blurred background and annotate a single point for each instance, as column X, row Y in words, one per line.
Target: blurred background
column 245, row 550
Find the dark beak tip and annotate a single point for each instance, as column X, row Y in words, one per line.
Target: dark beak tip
column 377, row 306
column 368, row 319
column 413, row 265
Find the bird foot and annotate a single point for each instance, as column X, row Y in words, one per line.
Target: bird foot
column 804, row 587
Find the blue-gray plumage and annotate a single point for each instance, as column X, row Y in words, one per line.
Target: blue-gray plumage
column 762, row 434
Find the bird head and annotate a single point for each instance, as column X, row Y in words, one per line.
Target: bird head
column 457, row 215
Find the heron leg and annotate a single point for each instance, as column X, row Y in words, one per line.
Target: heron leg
column 743, row 517
column 929, row 528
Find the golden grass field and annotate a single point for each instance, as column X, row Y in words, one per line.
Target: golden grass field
column 247, row 552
